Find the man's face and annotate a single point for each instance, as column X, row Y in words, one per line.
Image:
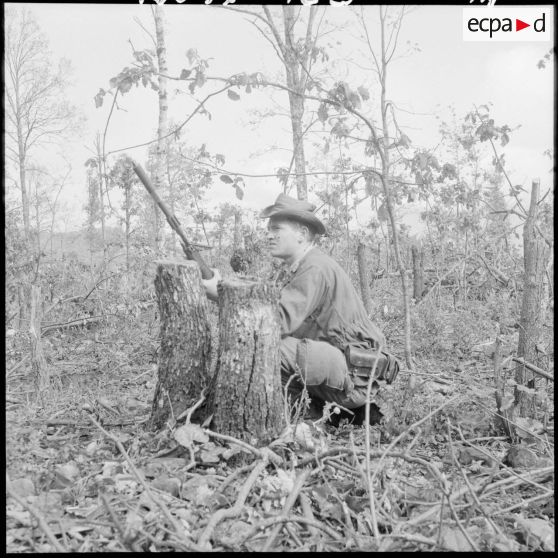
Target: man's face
column 284, row 238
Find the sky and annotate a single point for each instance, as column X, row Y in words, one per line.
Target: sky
column 446, row 72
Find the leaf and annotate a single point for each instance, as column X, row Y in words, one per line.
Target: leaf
column 322, row 112
column 189, row 433
column 184, row 74
column 239, row 191
column 233, row 95
column 210, row 453
column 363, row 92
column 538, row 531
column 99, row 98
column 453, row 539
column 226, row 179
column 191, row 54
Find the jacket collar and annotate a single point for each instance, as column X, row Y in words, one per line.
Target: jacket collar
column 294, row 266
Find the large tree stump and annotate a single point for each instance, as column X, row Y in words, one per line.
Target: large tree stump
column 185, row 339
column 247, row 397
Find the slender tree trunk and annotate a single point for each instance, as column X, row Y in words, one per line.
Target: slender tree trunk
column 364, row 276
column 385, row 178
column 295, row 54
column 163, row 116
column 184, row 359
column 128, row 224
column 172, row 201
column 418, row 272
column 247, row 397
column 296, row 102
column 237, row 237
column 38, row 362
column 22, row 156
column 101, row 197
column 535, row 254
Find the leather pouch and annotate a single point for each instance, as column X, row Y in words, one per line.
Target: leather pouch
column 361, row 362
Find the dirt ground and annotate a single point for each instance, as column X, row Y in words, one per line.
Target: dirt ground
column 439, row 472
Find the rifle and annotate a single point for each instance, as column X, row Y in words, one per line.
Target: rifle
column 190, row 252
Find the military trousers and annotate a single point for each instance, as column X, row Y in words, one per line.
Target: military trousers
column 322, row 369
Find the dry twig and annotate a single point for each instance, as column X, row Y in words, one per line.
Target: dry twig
column 263, row 453
column 219, row 515
column 41, row 521
column 161, row 505
column 289, row 503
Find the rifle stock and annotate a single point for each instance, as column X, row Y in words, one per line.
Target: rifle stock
column 190, row 252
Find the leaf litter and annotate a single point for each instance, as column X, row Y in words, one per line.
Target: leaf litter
column 118, row 486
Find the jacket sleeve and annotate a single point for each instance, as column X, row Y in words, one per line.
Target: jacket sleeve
column 300, row 298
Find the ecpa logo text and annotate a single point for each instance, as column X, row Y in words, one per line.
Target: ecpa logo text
column 492, row 25
column 505, row 23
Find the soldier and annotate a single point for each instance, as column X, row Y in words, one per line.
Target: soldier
column 328, row 343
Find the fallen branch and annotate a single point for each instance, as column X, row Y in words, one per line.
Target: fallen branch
column 307, row 511
column 264, row 453
column 220, row 515
column 37, row 515
column 304, row 520
column 133, row 545
column 533, row 368
column 289, row 503
column 16, row 366
column 179, row 529
column 72, row 323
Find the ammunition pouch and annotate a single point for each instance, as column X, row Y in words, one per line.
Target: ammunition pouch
column 361, row 363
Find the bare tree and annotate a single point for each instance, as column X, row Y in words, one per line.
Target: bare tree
column 162, row 127
column 295, row 45
column 386, row 139
column 36, row 111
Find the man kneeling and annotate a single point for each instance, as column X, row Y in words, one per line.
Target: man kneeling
column 328, row 343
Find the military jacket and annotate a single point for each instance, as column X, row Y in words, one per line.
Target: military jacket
column 318, row 301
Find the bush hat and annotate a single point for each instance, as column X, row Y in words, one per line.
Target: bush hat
column 297, row 210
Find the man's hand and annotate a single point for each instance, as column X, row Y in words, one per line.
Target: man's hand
column 210, row 285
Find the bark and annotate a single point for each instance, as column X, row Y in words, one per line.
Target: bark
column 385, row 178
column 162, row 128
column 418, row 273
column 185, row 337
column 237, row 237
column 535, row 254
column 128, row 224
column 38, row 362
column 247, row 397
column 296, row 58
column 23, row 182
column 101, row 196
column 296, row 102
column 364, row 277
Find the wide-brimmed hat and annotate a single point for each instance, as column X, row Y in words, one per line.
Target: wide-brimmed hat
column 298, row 210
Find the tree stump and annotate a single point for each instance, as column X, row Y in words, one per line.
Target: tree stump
column 247, row 396
column 185, row 340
